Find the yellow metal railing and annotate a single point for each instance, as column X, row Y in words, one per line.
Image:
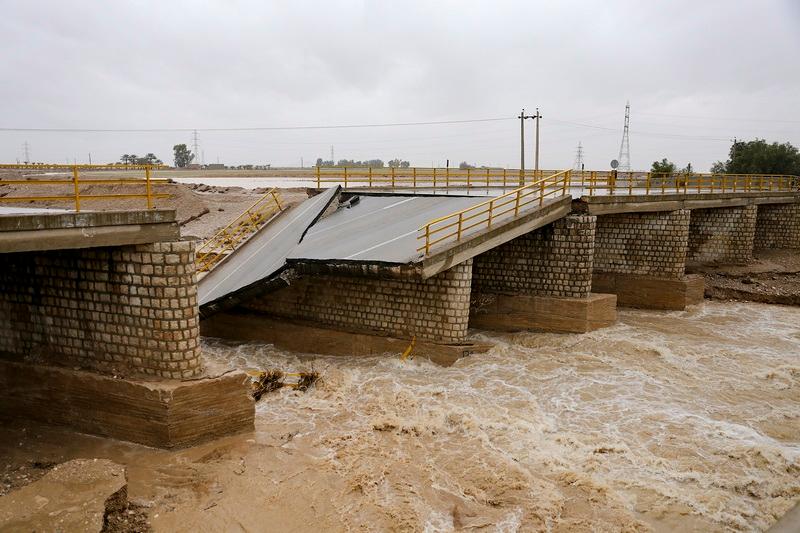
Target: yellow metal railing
column 237, row 232
column 75, row 182
column 649, row 183
column 455, row 225
column 418, row 177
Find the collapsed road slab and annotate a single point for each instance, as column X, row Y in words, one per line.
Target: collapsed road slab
column 262, row 257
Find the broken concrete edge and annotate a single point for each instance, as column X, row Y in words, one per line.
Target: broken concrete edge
column 279, row 279
column 266, row 284
column 315, row 339
column 161, row 414
column 612, row 204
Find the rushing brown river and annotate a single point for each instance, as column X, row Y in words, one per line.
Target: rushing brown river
column 682, row 421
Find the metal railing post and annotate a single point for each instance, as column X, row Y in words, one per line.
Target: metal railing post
column 370, row 177
column 469, row 177
column 504, row 178
column 318, row 177
column 487, row 178
column 345, row 177
column 76, row 188
column 647, row 184
column 427, row 239
column 541, row 192
column 434, row 177
column 516, row 204
column 414, row 177
column 147, row 186
column 393, row 171
column 460, row 222
column 447, row 178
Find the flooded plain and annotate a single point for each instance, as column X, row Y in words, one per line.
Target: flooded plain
column 667, row 421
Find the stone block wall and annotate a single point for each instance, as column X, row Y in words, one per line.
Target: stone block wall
column 555, row 260
column 435, row 309
column 722, row 235
column 778, row 226
column 647, row 244
column 130, row 309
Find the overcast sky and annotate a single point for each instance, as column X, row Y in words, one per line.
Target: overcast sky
column 697, row 73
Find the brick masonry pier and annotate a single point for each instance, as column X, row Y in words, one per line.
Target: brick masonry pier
column 103, row 338
column 541, row 280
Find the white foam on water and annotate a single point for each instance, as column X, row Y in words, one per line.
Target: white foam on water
column 661, row 415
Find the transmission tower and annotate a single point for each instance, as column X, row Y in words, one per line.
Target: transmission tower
column 194, row 143
column 333, row 161
column 578, row 158
column 26, row 147
column 625, row 146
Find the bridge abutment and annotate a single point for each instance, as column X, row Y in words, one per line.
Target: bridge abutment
column 105, row 338
column 641, row 257
column 778, row 226
column 541, row 280
column 722, row 235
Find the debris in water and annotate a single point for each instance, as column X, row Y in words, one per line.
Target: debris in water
column 272, row 380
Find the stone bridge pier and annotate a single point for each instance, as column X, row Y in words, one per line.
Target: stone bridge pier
column 722, row 235
column 541, row 280
column 778, row 226
column 641, row 257
column 99, row 330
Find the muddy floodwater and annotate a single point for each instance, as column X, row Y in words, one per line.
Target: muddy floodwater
column 680, row 421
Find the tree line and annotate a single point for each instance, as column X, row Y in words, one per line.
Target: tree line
column 133, row 159
column 374, row 163
column 746, row 157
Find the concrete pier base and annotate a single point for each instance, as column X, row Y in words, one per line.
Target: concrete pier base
column 162, row 414
column 647, row 292
column 307, row 337
column 501, row 312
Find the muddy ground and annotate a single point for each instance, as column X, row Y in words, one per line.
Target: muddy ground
column 773, row 277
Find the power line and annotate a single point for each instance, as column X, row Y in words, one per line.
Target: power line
column 736, row 119
column 261, row 128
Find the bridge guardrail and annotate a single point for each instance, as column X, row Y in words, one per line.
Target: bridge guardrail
column 239, row 230
column 419, row 177
column 76, row 182
column 455, row 225
column 649, row 183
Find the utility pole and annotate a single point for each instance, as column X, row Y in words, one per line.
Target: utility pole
column 522, row 116
column 537, row 116
column 26, row 147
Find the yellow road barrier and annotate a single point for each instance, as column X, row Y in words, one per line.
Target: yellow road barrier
column 237, row 232
column 75, row 184
column 455, row 225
